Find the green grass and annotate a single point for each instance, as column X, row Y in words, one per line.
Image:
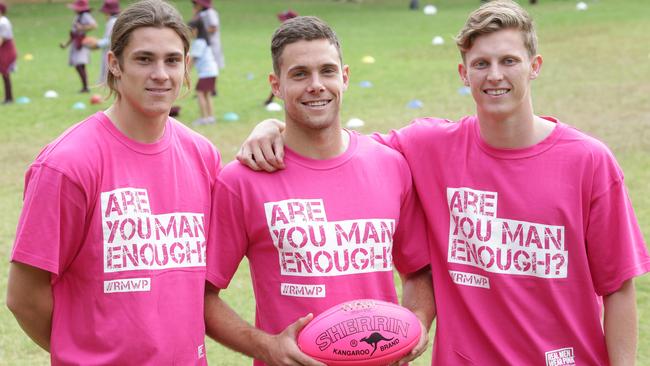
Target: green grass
column 595, row 76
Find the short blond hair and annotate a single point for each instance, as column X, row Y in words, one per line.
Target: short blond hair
column 146, row 13
column 495, row 16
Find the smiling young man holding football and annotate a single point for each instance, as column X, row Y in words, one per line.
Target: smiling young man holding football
column 531, row 222
column 327, row 229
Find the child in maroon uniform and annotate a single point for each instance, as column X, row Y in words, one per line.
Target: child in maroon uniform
column 7, row 52
column 79, row 53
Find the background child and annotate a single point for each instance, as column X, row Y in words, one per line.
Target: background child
column 210, row 18
column 207, row 70
column 7, row 52
column 79, row 53
column 282, row 17
column 112, row 9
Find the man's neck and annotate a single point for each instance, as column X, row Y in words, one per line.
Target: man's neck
column 319, row 144
column 134, row 124
column 514, row 132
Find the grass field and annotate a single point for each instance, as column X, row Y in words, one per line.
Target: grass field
column 596, row 76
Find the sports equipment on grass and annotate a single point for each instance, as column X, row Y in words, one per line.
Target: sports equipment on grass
column 95, row 99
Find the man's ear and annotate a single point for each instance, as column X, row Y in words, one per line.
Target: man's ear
column 346, row 76
column 536, row 66
column 274, row 80
column 114, row 65
column 462, row 71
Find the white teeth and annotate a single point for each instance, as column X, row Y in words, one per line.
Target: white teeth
column 318, row 103
column 496, row 91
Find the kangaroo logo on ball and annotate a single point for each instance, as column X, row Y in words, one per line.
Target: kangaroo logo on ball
column 373, row 339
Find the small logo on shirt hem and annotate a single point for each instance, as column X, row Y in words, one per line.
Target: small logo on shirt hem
column 561, row 357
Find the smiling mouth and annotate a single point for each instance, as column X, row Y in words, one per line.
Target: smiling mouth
column 158, row 90
column 496, row 92
column 317, row 103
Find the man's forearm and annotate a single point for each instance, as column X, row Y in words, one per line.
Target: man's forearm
column 225, row 326
column 621, row 329
column 29, row 297
column 417, row 295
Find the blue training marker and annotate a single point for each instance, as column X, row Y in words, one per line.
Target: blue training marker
column 464, row 90
column 415, row 104
column 365, row 84
column 79, row 105
column 230, row 117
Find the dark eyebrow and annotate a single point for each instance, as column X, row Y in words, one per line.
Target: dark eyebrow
column 151, row 54
column 303, row 68
column 297, row 68
column 143, row 53
column 330, row 65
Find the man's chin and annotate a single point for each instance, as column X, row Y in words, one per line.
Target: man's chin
column 157, row 111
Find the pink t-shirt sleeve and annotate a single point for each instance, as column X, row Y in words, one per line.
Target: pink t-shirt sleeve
column 411, row 132
column 615, row 246
column 227, row 242
column 50, row 228
column 390, row 139
column 410, row 247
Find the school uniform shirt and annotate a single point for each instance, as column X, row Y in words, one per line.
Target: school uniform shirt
column 210, row 18
column 8, row 52
column 203, row 58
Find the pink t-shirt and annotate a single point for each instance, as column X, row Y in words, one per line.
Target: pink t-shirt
column 319, row 232
column 121, row 227
column 523, row 242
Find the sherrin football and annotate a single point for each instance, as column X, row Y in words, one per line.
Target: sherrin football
column 361, row 333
